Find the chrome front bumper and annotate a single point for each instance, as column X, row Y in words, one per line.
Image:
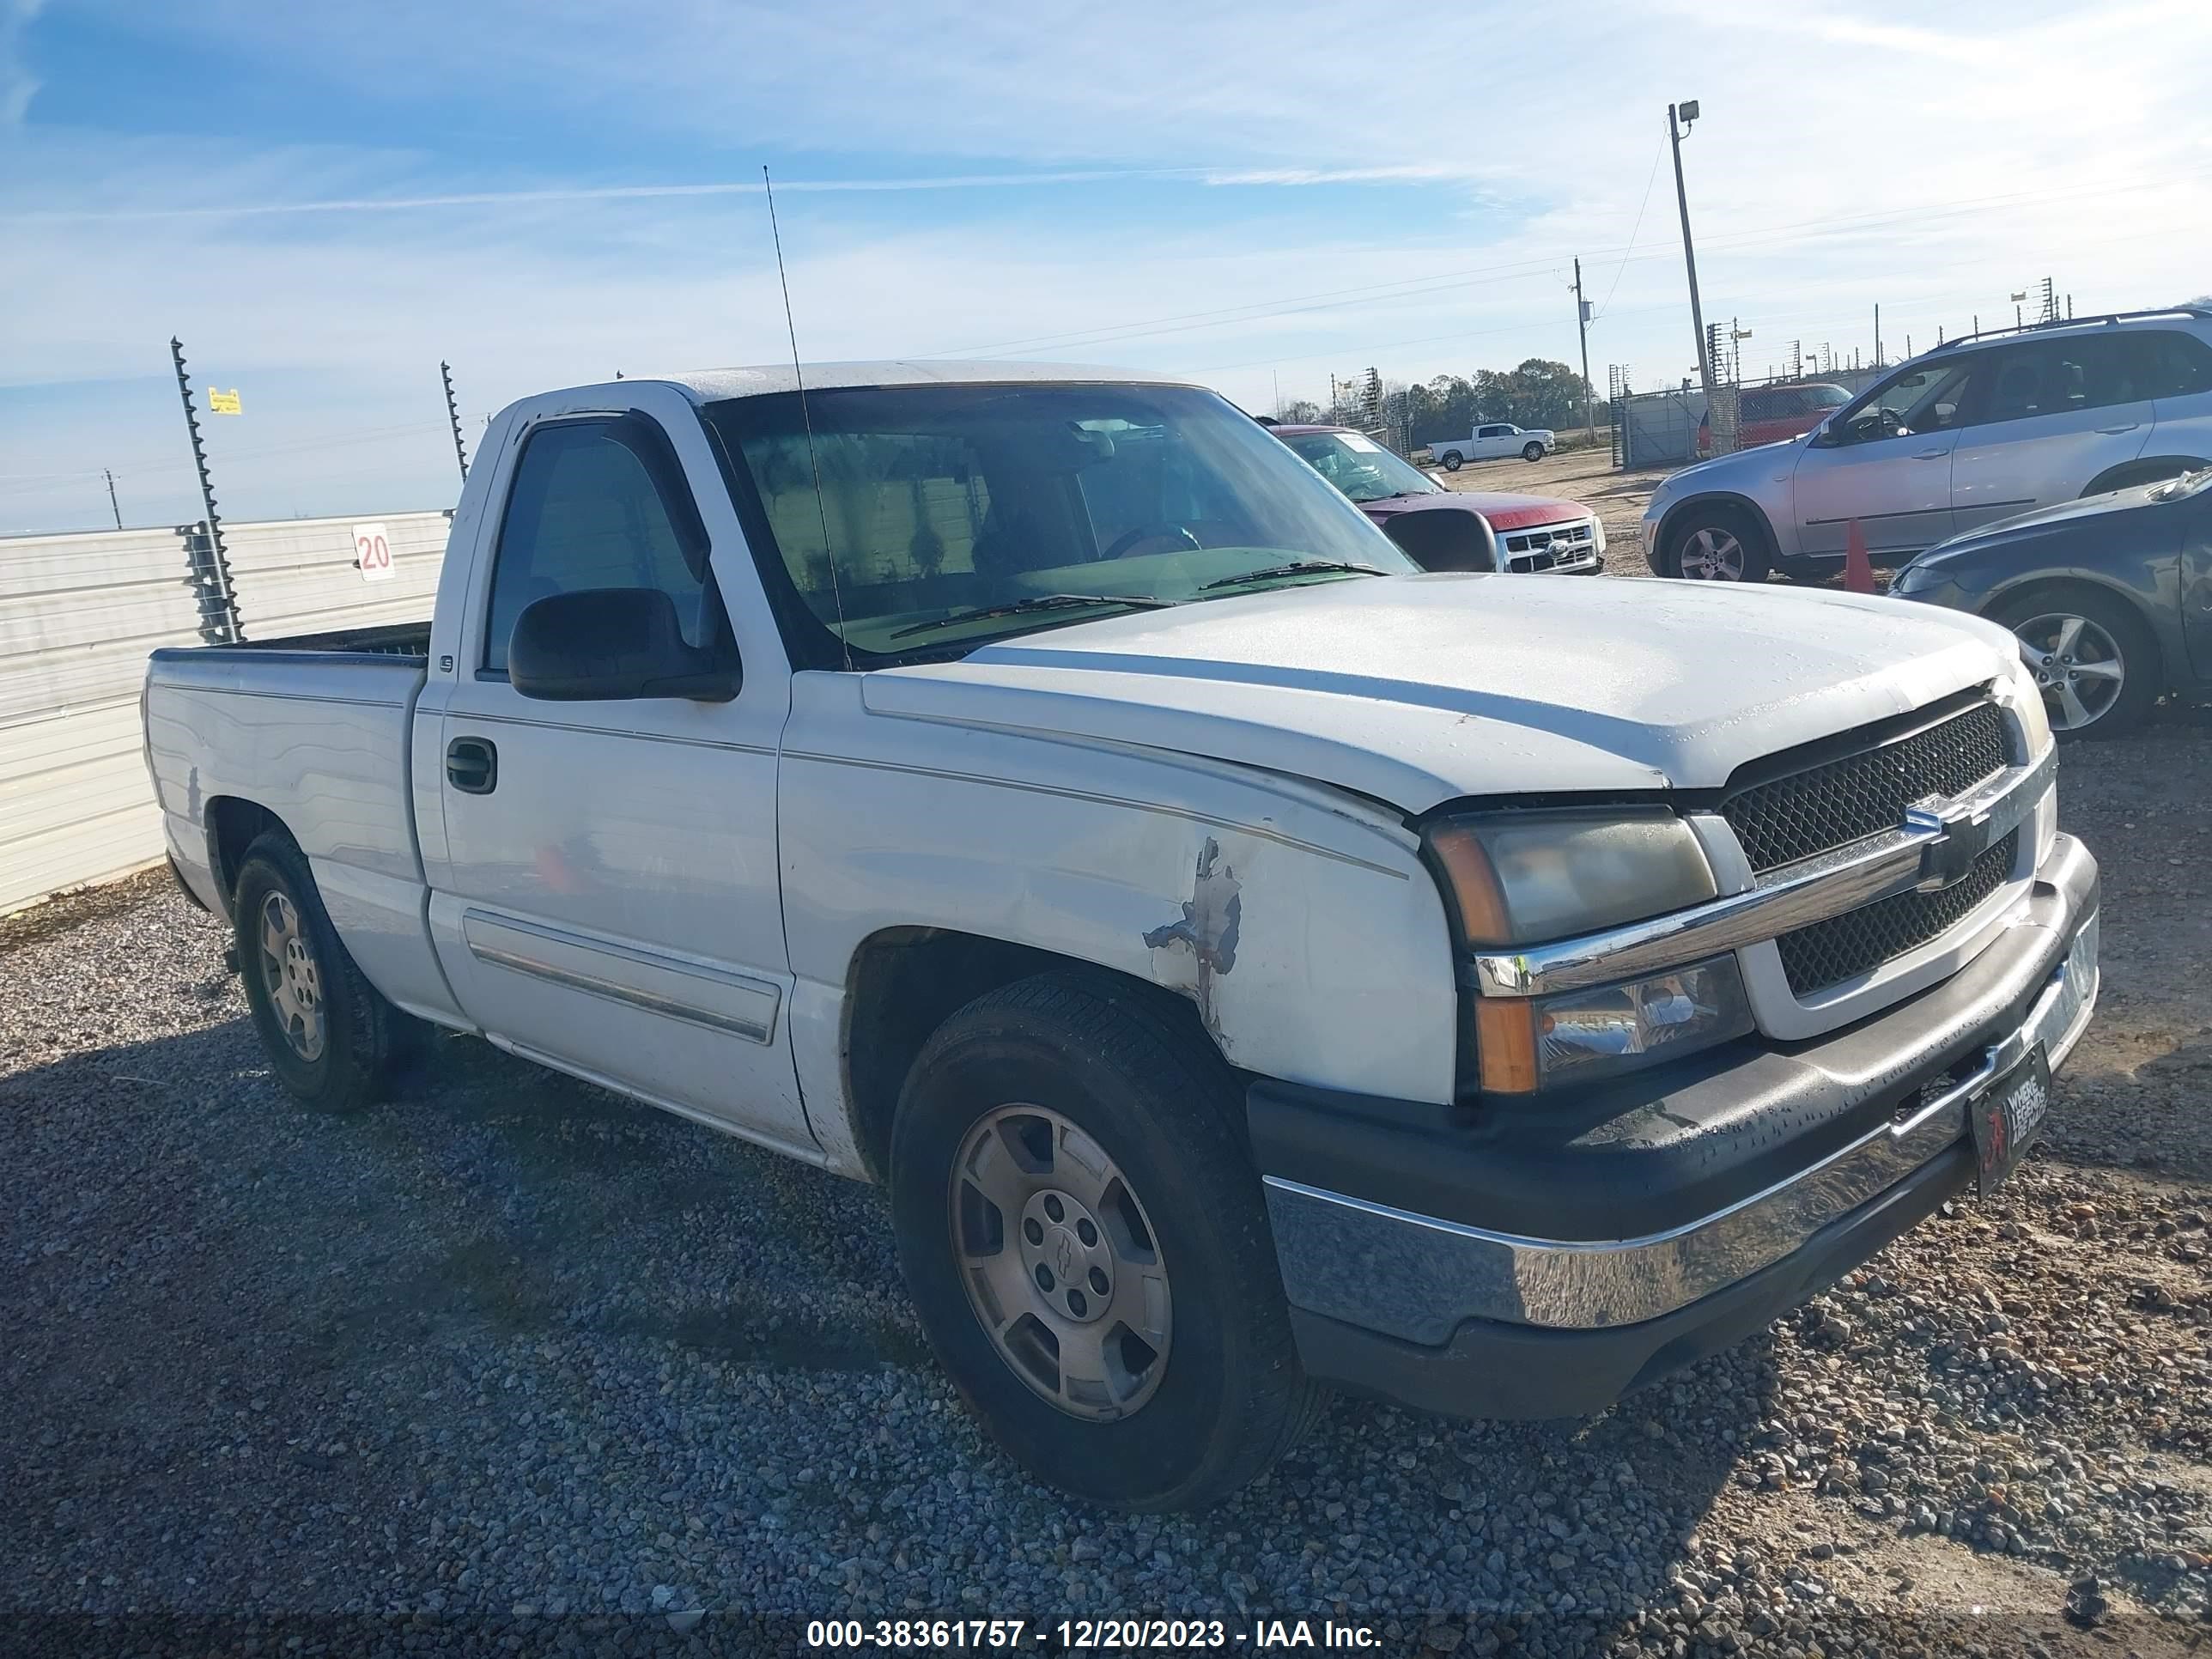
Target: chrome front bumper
column 1417, row 1278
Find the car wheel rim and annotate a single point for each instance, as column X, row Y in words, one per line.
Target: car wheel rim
column 1062, row 1266
column 290, row 977
column 1712, row 555
column 2077, row 666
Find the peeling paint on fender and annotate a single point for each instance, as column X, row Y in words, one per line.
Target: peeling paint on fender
column 1208, row 925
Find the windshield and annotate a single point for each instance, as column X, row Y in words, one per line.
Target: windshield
column 1359, row 466
column 951, row 515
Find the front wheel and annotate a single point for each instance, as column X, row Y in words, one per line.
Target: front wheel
column 1453, row 460
column 2094, row 660
column 1532, row 452
column 1717, row 544
column 1083, row 1232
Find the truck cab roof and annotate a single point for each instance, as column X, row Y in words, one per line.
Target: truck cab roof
column 707, row 385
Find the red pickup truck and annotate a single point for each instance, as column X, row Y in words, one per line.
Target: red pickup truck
column 1533, row 534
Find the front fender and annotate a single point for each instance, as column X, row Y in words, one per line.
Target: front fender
column 1300, row 922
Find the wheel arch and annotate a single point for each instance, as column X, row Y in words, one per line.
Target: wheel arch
column 1671, row 521
column 2030, row 591
column 903, row 982
column 233, row 824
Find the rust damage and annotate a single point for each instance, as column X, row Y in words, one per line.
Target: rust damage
column 1207, row 926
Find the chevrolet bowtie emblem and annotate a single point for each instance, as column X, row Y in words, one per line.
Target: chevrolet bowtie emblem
column 1962, row 836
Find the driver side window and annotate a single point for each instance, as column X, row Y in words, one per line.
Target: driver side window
column 1928, row 399
column 585, row 513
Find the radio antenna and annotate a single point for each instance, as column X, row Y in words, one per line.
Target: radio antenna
column 806, row 420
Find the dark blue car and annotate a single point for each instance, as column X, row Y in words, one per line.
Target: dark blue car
column 2111, row 597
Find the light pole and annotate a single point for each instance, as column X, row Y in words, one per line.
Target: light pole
column 1687, row 109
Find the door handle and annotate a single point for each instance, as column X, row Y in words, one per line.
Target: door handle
column 1931, row 455
column 472, row 765
column 2115, row 431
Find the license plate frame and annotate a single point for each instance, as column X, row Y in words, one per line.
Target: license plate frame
column 2006, row 1116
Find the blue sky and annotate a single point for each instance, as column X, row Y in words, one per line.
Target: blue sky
column 325, row 201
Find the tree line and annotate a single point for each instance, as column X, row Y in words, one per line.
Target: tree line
column 1538, row 394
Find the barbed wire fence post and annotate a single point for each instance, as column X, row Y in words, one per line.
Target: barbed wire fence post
column 206, row 558
column 454, row 416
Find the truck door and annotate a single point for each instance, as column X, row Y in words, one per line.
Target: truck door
column 607, row 898
column 1493, row 441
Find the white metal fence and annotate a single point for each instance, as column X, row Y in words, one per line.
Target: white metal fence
column 78, row 615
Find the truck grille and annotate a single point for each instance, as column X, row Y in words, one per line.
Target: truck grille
column 1553, row 547
column 1829, row 952
column 1843, row 800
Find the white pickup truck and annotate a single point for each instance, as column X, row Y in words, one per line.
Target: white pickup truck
column 1493, row 441
column 1252, row 966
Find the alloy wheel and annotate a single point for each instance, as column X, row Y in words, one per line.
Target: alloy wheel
column 1060, row 1263
column 288, row 973
column 2078, row 666
column 1711, row 554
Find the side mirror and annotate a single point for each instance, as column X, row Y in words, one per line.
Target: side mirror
column 1439, row 538
column 610, row 644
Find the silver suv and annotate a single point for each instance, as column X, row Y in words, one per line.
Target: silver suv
column 1983, row 428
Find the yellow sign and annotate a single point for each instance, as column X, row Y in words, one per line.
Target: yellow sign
column 223, row 403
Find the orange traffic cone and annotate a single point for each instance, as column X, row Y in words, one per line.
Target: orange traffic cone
column 1858, row 572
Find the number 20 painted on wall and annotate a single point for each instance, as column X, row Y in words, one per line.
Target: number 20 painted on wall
column 372, row 552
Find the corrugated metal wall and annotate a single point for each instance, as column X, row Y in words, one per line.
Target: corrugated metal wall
column 299, row 576
column 78, row 615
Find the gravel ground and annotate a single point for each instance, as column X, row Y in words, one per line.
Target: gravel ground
column 510, row 1365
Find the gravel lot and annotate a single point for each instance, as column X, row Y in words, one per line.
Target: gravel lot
column 510, row 1366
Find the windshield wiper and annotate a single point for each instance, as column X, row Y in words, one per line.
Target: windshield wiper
column 1040, row 602
column 1300, row 568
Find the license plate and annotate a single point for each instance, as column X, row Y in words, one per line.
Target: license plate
column 2006, row 1117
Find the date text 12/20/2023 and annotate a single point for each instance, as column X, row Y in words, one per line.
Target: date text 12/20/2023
column 1116, row 1635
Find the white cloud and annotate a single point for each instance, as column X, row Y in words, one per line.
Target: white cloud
column 17, row 83
column 1241, row 190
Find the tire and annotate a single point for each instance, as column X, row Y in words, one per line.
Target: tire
column 1717, row 543
column 1030, row 1091
column 332, row 1040
column 1454, row 460
column 1532, row 452
column 2098, row 632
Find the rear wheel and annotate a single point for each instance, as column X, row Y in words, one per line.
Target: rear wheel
column 2094, row 660
column 332, row 1039
column 1453, row 460
column 1532, row 452
column 1717, row 544
column 1084, row 1235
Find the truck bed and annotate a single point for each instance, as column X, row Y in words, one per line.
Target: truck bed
column 316, row 731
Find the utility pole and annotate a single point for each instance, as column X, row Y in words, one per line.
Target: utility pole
column 1877, row 334
column 109, row 474
column 1581, row 327
column 1688, row 112
column 453, row 416
column 2050, row 302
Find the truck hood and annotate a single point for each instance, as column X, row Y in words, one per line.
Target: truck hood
column 1504, row 510
column 1415, row 690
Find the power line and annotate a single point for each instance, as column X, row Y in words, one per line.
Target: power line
column 1649, row 179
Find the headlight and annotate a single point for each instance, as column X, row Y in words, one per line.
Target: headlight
column 2025, row 697
column 1914, row 579
column 1524, row 878
column 1599, row 523
column 1527, row 1044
